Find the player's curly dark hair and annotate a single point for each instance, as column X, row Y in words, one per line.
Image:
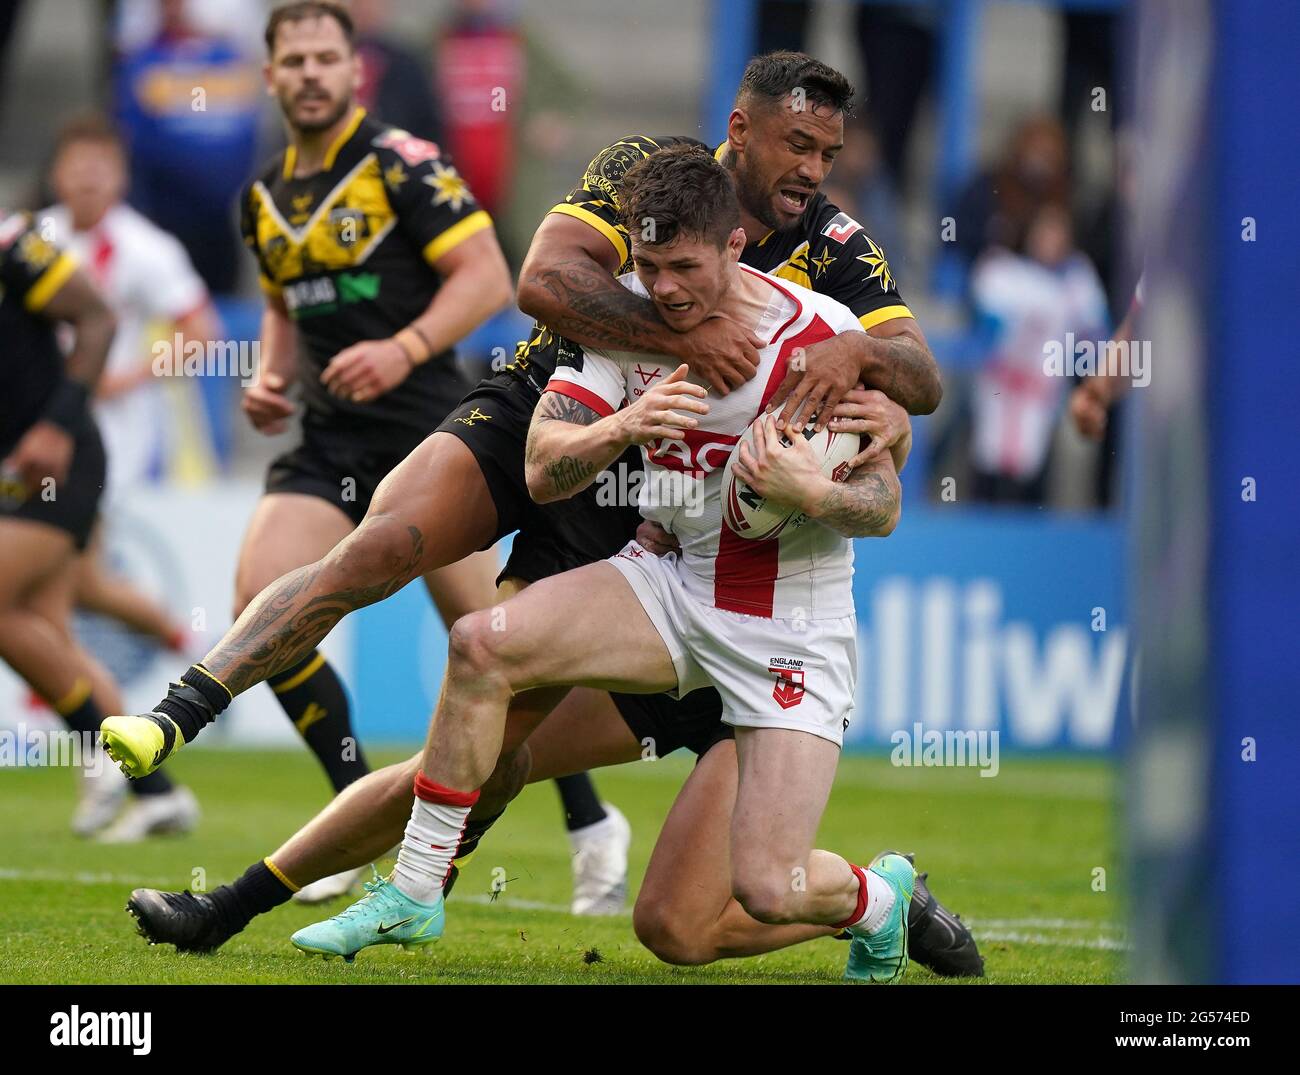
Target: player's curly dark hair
column 308, row 9
column 771, row 78
column 681, row 190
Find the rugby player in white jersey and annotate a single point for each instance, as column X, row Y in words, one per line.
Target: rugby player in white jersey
column 769, row 624
column 147, row 280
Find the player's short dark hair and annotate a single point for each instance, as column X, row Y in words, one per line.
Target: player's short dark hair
column 771, row 78
column 88, row 127
column 299, row 10
column 681, row 190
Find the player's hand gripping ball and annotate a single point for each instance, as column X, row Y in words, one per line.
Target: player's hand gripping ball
column 770, row 476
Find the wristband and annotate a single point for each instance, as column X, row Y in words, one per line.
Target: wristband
column 412, row 341
column 67, row 408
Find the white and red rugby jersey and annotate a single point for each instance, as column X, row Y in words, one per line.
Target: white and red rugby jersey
column 803, row 573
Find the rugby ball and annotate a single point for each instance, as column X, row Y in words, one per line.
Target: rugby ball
column 753, row 516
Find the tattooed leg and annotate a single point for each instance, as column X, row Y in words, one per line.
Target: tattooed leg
column 432, row 510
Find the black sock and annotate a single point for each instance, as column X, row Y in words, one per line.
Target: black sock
column 193, row 703
column 475, row 829
column 259, row 890
column 313, row 697
column 81, row 714
column 581, row 805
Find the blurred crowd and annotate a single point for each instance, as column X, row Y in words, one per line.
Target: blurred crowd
column 1030, row 236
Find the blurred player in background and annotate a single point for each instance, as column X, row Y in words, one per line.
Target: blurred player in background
column 148, row 281
column 51, row 478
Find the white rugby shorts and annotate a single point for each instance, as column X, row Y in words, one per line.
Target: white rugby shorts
column 771, row 673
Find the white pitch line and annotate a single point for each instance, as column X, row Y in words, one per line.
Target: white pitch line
column 1107, row 944
column 82, row 877
column 1042, row 923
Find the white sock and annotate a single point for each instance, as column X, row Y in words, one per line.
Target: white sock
column 595, row 830
column 432, row 836
column 880, row 897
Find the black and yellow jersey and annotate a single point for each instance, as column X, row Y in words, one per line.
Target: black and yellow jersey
column 351, row 250
column 827, row 251
column 32, row 269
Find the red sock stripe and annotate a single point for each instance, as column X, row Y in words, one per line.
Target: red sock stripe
column 429, row 792
column 451, row 862
column 861, row 908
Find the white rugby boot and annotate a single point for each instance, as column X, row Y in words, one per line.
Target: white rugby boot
column 600, row 865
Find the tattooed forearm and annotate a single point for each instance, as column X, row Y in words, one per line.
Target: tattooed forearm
column 554, row 406
column 288, row 619
column 564, row 452
column 587, row 305
column 867, row 505
column 903, row 368
column 568, row 473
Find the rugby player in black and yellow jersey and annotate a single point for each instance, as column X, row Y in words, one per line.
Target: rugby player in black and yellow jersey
column 52, row 470
column 375, row 259
column 778, row 154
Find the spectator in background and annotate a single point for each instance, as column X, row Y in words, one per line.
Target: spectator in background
column 480, row 61
column 136, row 23
column 897, row 44
column 997, row 207
column 395, row 86
column 189, row 103
column 1026, row 298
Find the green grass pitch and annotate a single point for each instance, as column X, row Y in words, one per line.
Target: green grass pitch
column 1016, row 855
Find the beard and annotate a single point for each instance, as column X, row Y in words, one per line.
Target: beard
column 756, row 200
column 324, row 124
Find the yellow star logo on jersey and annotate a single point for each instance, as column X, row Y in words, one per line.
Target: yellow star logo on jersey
column 475, row 415
column 876, row 262
column 822, row 261
column 35, row 251
column 395, row 176
column 451, row 188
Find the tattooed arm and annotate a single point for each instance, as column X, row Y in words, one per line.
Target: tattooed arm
column 568, row 283
column 569, row 443
column 868, row 504
column 787, row 472
column 899, row 363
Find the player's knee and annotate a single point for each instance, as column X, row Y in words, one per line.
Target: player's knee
column 474, row 646
column 763, row 895
column 666, row 936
